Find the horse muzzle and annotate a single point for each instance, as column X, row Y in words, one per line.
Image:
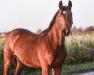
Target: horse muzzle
column 66, row 32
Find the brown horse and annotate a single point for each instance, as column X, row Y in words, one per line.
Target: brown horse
column 45, row 50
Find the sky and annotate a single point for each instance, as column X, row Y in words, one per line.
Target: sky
column 37, row 14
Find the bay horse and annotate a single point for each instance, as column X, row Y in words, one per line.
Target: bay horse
column 45, row 50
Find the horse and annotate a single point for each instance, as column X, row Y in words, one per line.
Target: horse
column 45, row 50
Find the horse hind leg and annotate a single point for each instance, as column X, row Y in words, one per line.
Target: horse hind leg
column 14, row 60
column 19, row 67
column 7, row 62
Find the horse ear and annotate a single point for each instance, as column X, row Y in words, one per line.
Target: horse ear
column 60, row 5
column 70, row 5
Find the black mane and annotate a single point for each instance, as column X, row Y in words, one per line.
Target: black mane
column 53, row 20
column 64, row 8
column 51, row 24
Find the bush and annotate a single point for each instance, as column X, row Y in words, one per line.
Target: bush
column 76, row 51
column 1, row 55
column 89, row 29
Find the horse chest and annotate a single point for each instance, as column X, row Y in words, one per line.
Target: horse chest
column 60, row 57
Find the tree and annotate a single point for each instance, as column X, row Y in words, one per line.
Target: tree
column 74, row 29
column 39, row 31
column 89, row 29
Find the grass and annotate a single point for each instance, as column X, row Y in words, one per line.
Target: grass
column 69, row 69
column 79, row 54
column 1, row 55
column 78, row 68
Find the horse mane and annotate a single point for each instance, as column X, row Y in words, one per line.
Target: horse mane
column 64, row 8
column 53, row 20
column 51, row 23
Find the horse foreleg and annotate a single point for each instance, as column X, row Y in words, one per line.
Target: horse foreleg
column 19, row 67
column 57, row 70
column 45, row 70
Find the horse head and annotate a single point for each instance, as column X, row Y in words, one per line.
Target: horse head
column 65, row 18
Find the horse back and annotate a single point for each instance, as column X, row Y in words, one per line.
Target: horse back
column 18, row 36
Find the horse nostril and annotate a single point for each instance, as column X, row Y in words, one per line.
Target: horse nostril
column 64, row 31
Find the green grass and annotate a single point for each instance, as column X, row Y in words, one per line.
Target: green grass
column 76, row 53
column 1, row 55
column 69, row 69
column 78, row 68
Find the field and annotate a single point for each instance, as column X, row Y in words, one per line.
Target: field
column 79, row 47
column 68, row 69
column 1, row 54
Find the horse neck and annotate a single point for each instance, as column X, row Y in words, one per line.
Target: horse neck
column 55, row 34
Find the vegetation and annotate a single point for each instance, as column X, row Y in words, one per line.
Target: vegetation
column 79, row 48
column 78, row 68
column 1, row 55
column 69, row 69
